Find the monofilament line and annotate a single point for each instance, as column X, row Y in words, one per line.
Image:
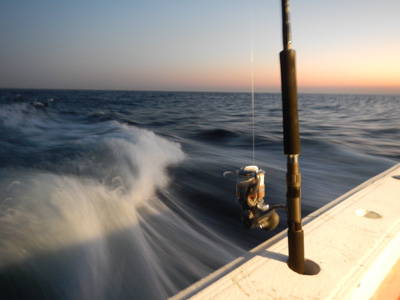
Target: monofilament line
column 252, row 102
column 252, row 77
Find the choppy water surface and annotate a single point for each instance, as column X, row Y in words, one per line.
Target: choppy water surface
column 120, row 195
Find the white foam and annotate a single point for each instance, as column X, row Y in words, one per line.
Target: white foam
column 47, row 211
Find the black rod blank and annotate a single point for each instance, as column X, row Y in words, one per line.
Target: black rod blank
column 287, row 39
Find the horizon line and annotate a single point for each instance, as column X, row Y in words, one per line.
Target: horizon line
column 319, row 92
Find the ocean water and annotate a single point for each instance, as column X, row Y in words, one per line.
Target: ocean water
column 120, row 195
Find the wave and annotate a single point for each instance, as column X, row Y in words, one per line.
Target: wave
column 124, row 170
column 217, row 134
column 94, row 211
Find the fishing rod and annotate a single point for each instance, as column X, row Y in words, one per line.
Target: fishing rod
column 291, row 136
column 250, row 188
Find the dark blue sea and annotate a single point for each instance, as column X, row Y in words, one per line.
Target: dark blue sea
column 120, row 195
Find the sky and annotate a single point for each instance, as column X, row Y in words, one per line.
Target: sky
column 342, row 46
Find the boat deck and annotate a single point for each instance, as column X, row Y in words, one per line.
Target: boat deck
column 351, row 245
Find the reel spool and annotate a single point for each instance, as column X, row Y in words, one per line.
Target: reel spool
column 250, row 188
column 250, row 193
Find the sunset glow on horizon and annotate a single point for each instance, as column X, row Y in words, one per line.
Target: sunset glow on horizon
column 341, row 46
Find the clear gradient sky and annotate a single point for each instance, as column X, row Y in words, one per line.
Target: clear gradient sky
column 343, row 46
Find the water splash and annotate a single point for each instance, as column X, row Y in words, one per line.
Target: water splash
column 97, row 227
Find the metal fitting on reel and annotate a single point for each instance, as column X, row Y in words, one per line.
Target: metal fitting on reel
column 250, row 188
column 250, row 192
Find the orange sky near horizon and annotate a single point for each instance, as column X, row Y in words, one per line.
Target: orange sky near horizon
column 341, row 46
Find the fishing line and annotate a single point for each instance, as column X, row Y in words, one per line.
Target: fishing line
column 252, row 102
column 252, row 76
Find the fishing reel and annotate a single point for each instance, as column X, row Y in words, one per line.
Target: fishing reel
column 250, row 192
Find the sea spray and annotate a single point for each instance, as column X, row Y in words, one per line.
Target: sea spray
column 98, row 220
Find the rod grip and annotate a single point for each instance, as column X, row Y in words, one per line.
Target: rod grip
column 289, row 102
